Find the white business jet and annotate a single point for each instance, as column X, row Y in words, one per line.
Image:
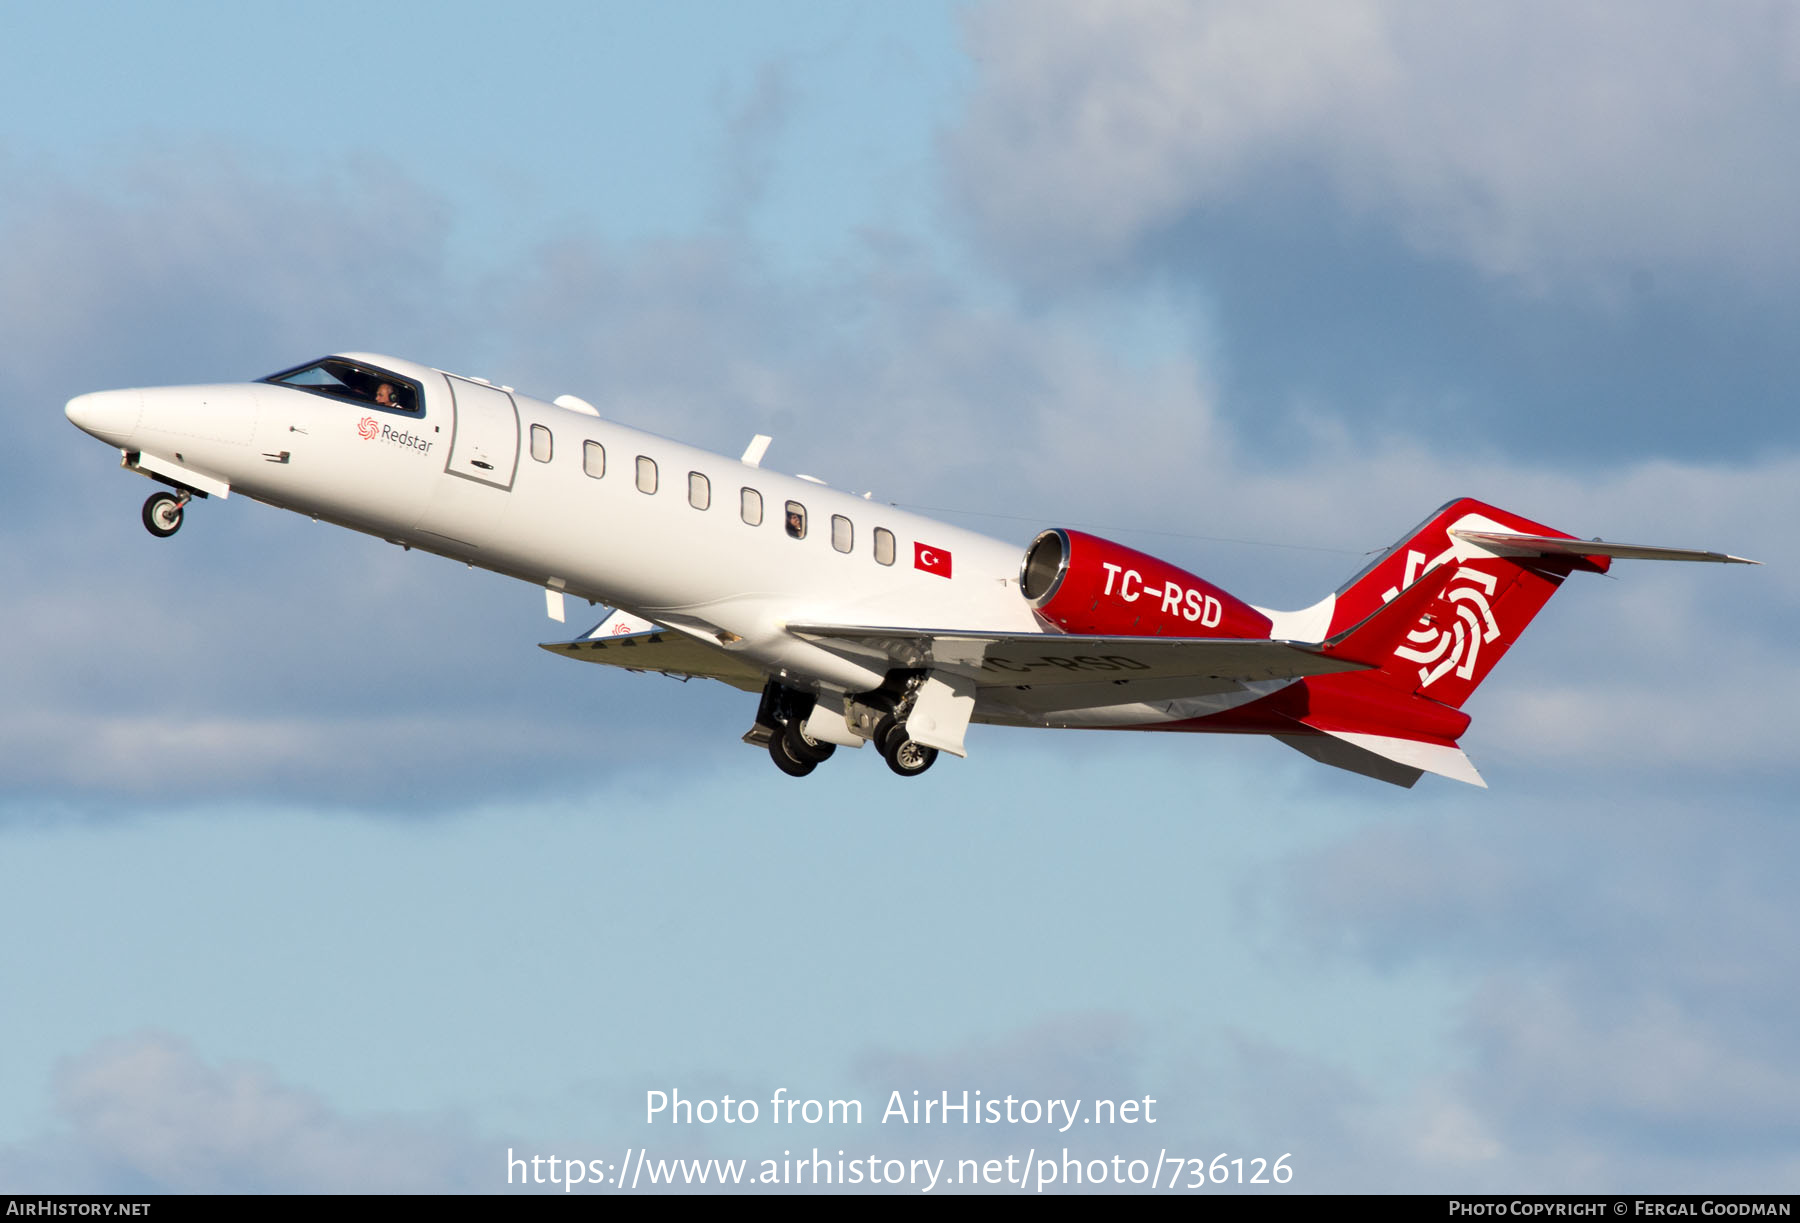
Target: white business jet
column 856, row 622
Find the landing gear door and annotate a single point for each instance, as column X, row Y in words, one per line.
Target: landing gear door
column 485, row 444
column 940, row 715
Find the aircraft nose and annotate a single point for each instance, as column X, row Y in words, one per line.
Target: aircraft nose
column 111, row 416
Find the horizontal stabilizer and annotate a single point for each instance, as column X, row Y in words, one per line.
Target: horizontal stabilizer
column 1507, row 543
column 1444, row 759
column 1341, row 755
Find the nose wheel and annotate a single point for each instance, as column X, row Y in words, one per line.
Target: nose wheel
column 162, row 513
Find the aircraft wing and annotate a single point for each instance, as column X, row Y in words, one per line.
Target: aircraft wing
column 1038, row 660
column 1133, row 668
column 639, row 645
column 1043, row 671
column 1046, row 671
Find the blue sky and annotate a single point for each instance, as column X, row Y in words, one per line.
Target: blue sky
column 318, row 875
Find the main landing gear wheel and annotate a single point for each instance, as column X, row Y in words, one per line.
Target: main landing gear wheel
column 784, row 756
column 905, row 757
column 804, row 747
column 889, row 727
column 162, row 514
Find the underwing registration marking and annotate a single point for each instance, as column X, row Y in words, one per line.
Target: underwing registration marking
column 1060, row 662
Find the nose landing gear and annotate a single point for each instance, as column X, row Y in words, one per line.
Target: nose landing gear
column 162, row 513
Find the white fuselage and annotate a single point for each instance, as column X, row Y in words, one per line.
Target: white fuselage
column 507, row 482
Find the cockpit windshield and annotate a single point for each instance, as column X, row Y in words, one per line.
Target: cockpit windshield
column 346, row 380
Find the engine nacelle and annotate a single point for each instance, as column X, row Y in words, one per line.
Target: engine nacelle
column 1084, row 584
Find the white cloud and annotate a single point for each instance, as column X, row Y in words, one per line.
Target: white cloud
column 190, row 260
column 1537, row 141
column 1572, row 1059
column 391, row 759
column 146, row 1113
column 1738, row 722
column 1626, row 966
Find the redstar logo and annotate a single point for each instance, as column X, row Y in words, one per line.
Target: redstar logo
column 1458, row 645
column 369, row 428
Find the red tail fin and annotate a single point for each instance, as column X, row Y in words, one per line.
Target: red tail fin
column 1483, row 606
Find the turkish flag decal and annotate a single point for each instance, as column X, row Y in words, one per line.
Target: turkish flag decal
column 931, row 560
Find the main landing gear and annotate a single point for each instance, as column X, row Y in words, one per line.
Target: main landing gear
column 780, row 726
column 795, row 752
column 162, row 512
column 905, row 757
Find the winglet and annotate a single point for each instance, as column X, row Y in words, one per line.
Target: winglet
column 759, row 446
column 620, row 624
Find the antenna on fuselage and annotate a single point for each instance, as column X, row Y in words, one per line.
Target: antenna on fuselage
column 576, row 403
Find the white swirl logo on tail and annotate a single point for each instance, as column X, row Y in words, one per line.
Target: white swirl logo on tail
column 1439, row 649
